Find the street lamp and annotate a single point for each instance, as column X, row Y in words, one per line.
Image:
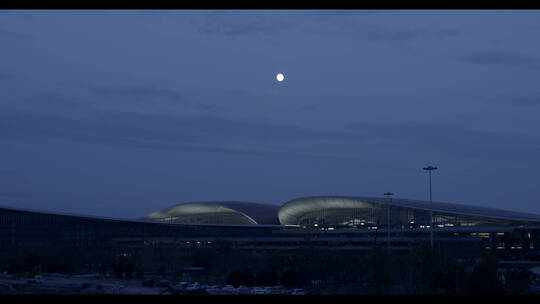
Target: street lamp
column 429, row 169
column 388, row 217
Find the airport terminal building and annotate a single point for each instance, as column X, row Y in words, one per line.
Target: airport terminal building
column 322, row 222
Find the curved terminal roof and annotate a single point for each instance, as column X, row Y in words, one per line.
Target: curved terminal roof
column 218, row 212
column 291, row 211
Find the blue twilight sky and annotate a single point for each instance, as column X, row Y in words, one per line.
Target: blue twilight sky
column 121, row 113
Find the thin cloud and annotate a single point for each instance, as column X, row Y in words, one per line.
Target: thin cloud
column 6, row 77
column 145, row 95
column 417, row 33
column 359, row 28
column 454, row 140
column 501, row 58
column 249, row 23
column 157, row 131
column 522, row 101
column 244, row 25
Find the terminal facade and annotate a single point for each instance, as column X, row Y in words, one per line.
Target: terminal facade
column 317, row 223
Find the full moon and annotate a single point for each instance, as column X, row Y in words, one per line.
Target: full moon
column 280, row 77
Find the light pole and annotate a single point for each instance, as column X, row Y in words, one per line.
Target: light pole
column 388, row 217
column 429, row 169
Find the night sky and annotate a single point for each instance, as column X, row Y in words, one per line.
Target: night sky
column 122, row 113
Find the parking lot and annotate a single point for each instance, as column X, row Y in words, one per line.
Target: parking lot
column 95, row 284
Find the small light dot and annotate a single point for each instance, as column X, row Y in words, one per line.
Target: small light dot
column 280, row 77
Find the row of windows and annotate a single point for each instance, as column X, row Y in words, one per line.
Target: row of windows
column 394, row 217
column 58, row 228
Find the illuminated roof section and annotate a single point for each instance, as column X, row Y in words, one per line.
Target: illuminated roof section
column 218, row 213
column 290, row 213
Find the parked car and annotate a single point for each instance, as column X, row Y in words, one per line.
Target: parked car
column 193, row 286
column 163, row 283
column 229, row 289
column 35, row 280
column 243, row 290
column 259, row 291
column 149, row 283
column 213, row 290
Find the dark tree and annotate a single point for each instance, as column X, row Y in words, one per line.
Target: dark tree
column 518, row 281
column 293, row 278
column 267, row 278
column 242, row 277
column 484, row 278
